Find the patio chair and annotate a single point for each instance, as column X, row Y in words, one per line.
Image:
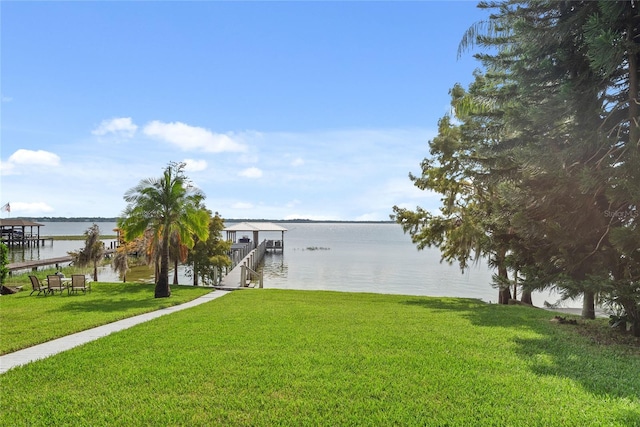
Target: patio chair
column 37, row 286
column 79, row 283
column 54, row 284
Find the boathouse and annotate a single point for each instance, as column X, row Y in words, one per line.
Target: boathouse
column 20, row 232
column 244, row 228
column 248, row 251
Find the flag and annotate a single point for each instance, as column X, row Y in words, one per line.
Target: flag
column 6, row 208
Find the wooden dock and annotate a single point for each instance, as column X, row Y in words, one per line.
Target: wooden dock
column 240, row 275
column 27, row 241
column 34, row 264
column 20, row 232
column 231, row 281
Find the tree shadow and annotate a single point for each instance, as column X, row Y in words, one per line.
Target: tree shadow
column 446, row 303
column 557, row 350
column 125, row 299
column 111, row 305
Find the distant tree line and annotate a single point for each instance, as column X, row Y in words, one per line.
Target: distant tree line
column 68, row 219
column 231, row 220
column 538, row 164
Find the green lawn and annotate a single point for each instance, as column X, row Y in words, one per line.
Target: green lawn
column 275, row 357
column 28, row 320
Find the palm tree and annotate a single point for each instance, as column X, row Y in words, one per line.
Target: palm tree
column 177, row 253
column 164, row 206
column 120, row 262
column 93, row 250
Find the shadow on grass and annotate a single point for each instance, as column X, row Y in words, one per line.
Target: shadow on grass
column 456, row 304
column 602, row 373
column 112, row 305
column 559, row 351
column 113, row 298
column 556, row 351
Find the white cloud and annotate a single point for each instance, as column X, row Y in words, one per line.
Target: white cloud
column 30, row 157
column 7, row 99
column 30, row 208
column 248, row 158
column 403, row 189
column 121, row 126
column 192, row 138
column 242, row 205
column 6, row 168
column 192, row 165
column 250, row 173
column 297, row 162
column 311, row 217
column 372, row 216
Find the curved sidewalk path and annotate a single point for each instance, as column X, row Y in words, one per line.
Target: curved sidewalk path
column 44, row 350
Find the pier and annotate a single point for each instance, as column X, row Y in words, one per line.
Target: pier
column 255, row 228
column 20, row 232
column 247, row 254
column 34, row 264
column 244, row 271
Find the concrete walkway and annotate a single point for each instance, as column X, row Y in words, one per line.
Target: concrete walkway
column 44, row 350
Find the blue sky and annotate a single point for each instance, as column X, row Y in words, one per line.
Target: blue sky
column 280, row 110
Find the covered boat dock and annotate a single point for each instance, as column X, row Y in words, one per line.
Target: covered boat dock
column 255, row 228
column 21, row 232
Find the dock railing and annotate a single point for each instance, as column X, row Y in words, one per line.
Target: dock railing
column 251, row 263
column 245, row 269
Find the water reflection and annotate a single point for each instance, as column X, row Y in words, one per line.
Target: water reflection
column 274, row 266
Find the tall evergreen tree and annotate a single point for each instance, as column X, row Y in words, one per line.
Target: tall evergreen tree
column 561, row 86
column 575, row 135
column 462, row 168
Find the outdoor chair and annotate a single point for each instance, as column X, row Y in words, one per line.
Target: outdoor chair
column 79, row 283
column 37, row 286
column 54, row 284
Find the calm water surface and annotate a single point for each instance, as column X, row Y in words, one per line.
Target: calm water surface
column 330, row 256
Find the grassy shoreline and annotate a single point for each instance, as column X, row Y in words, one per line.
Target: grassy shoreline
column 275, row 357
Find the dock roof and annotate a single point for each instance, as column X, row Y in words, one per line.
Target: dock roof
column 255, row 226
column 19, row 223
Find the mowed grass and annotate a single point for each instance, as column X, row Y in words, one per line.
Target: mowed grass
column 26, row 320
column 303, row 358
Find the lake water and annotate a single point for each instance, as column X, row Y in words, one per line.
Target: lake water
column 349, row 257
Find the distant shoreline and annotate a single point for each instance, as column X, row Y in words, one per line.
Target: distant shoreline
column 115, row 219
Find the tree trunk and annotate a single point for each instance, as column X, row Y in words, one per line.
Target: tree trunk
column 588, row 305
column 634, row 129
column 526, row 297
column 162, row 286
column 504, row 294
column 632, row 310
column 195, row 275
column 635, row 325
column 95, row 271
column 175, row 271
